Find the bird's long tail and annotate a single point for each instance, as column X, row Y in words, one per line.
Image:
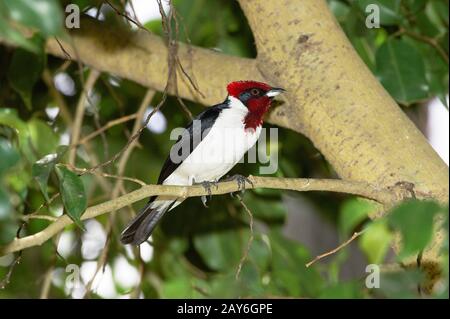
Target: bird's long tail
column 141, row 227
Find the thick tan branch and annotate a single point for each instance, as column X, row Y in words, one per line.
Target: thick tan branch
column 335, row 100
column 295, row 184
column 142, row 57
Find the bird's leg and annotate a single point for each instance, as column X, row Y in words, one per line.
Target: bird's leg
column 207, row 186
column 241, row 180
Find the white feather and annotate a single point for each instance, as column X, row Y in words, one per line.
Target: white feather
column 221, row 149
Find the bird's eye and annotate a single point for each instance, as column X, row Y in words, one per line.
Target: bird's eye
column 254, row 92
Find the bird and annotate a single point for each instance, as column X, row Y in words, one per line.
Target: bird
column 209, row 147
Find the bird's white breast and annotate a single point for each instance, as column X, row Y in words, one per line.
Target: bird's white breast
column 223, row 147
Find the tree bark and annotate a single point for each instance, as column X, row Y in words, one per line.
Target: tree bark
column 335, row 100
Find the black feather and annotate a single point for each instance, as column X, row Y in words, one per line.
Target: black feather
column 207, row 119
column 141, row 227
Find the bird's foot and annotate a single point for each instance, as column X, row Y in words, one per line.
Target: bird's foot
column 241, row 180
column 207, row 186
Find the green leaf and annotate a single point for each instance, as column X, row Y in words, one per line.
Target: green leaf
column 41, row 172
column 353, row 212
column 259, row 252
column 389, row 10
column 24, row 70
column 415, row 6
column 414, row 219
column 42, row 136
column 220, row 250
column 339, row 9
column 394, row 67
column 12, row 35
column 10, row 118
column 72, row 193
column 177, row 288
column 375, row 241
column 44, row 15
column 366, row 50
column 18, row 181
column 400, row 284
column 436, row 70
column 343, row 290
column 8, row 155
column 267, row 209
column 289, row 273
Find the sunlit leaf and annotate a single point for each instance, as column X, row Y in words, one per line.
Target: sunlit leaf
column 9, row 32
column 375, row 241
column 177, row 288
column 44, row 15
column 353, row 212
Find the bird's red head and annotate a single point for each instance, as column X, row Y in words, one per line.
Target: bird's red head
column 256, row 96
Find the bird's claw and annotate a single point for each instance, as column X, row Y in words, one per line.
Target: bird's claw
column 241, row 180
column 204, row 200
column 207, row 186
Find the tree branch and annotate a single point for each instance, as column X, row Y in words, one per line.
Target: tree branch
column 335, row 250
column 363, row 189
column 335, row 100
column 142, row 57
column 79, row 114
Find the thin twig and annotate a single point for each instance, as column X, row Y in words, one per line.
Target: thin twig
column 141, row 269
column 42, row 217
column 250, row 239
column 107, row 126
column 63, row 109
column 115, row 193
column 5, row 281
column 123, row 178
column 127, row 17
column 76, row 131
column 44, row 204
column 427, row 40
column 133, row 137
column 47, row 284
column 79, row 114
column 430, row 41
column 68, row 57
column 45, row 289
column 333, row 251
column 172, row 45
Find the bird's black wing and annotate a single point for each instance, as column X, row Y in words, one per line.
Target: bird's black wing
column 207, row 118
column 140, row 228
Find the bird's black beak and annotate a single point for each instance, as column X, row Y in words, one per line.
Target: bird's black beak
column 274, row 92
